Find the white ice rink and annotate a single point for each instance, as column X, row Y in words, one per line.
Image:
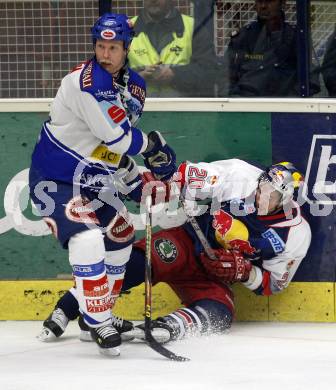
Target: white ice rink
column 252, row 356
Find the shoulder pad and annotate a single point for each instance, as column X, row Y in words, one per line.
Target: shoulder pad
column 79, row 66
column 137, row 86
column 96, row 81
column 135, row 78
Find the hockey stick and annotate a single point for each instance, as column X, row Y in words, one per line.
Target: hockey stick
column 204, row 241
column 150, row 340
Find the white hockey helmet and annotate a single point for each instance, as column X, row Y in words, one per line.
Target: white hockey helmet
column 284, row 178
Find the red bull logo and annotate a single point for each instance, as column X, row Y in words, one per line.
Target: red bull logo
column 222, row 222
column 231, row 233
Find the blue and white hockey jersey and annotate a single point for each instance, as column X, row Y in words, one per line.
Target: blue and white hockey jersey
column 91, row 125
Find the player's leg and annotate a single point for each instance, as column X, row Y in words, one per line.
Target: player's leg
column 56, row 205
column 87, row 258
column 209, row 306
column 67, row 307
column 77, row 228
column 205, row 316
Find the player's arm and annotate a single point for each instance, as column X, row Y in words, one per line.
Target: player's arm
column 227, row 266
column 109, row 121
column 199, row 180
column 275, row 274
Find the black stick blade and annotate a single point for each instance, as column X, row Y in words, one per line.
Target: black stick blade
column 156, row 346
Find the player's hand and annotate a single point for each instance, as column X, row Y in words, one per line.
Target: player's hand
column 157, row 189
column 159, row 157
column 229, row 266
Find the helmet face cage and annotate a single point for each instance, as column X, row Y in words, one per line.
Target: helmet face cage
column 115, row 27
column 284, row 178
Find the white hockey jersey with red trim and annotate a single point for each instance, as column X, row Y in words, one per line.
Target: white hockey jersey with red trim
column 231, row 179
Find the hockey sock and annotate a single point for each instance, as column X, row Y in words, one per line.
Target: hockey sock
column 86, row 254
column 185, row 322
column 69, row 304
column 203, row 316
column 115, row 262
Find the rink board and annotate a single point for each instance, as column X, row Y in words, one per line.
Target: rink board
column 302, row 301
column 204, row 130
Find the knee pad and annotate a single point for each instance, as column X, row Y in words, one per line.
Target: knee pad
column 118, row 257
column 115, row 262
column 87, row 247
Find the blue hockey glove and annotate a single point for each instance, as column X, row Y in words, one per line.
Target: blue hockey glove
column 160, row 158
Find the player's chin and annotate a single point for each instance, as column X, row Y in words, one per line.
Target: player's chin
column 108, row 67
column 262, row 211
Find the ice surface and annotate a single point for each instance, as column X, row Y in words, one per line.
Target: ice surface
column 251, row 356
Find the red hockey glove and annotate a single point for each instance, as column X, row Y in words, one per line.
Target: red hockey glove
column 230, row 266
column 158, row 190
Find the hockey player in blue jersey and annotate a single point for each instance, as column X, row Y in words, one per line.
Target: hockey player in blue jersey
column 82, row 168
column 258, row 236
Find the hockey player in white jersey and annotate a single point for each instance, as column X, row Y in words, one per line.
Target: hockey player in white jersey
column 82, row 162
column 254, row 227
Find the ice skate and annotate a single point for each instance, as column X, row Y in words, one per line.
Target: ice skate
column 54, row 326
column 107, row 339
column 124, row 328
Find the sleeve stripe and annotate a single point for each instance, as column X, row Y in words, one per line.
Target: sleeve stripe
column 136, row 143
column 116, row 140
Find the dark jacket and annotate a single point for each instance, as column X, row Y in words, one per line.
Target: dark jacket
column 260, row 63
column 195, row 79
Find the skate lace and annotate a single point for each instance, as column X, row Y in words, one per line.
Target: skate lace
column 106, row 331
column 117, row 321
column 60, row 318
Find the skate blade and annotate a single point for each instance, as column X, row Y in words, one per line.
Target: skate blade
column 85, row 336
column 127, row 336
column 46, row 336
column 109, row 352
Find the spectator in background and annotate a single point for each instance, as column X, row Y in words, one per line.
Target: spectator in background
column 261, row 59
column 329, row 65
column 173, row 57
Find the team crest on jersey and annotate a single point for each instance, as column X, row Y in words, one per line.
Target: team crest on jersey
column 166, row 250
column 79, row 210
column 120, row 229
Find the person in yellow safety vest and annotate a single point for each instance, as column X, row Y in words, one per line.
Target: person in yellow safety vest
column 175, row 59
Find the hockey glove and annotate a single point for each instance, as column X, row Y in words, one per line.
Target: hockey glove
column 229, row 266
column 160, row 158
column 158, row 190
